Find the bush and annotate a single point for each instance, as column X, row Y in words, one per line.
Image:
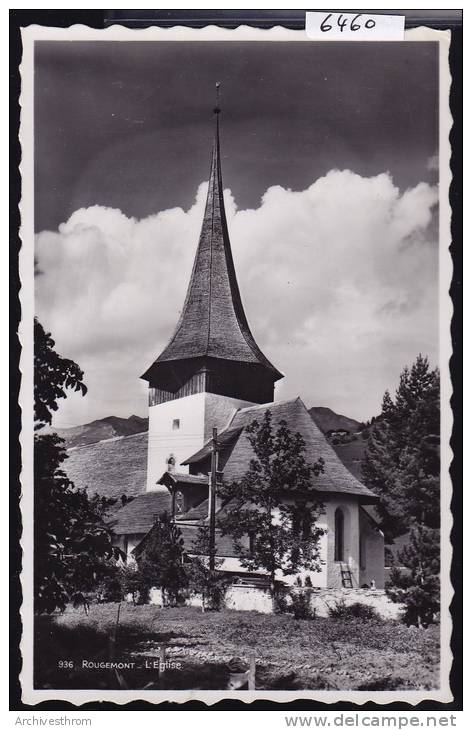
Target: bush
column 421, row 599
column 300, row 605
column 110, row 589
column 346, row 612
column 211, row 585
column 280, row 600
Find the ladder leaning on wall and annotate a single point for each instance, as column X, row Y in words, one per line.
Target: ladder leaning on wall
column 346, row 576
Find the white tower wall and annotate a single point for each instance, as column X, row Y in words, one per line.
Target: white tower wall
column 179, row 428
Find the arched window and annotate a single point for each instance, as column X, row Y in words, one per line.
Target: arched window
column 339, row 535
column 171, row 463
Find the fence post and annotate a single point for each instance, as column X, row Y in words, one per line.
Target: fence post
column 251, row 684
column 162, row 661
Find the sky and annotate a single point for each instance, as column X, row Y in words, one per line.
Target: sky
column 329, row 156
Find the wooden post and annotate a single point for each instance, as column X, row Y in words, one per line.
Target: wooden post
column 212, row 499
column 162, row 661
column 251, row 683
column 112, row 638
column 117, row 620
column 111, row 648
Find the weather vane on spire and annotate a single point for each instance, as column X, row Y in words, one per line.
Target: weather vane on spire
column 217, row 104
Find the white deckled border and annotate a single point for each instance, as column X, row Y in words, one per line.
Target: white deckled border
column 26, row 267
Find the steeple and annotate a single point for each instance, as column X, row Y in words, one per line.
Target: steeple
column 213, row 334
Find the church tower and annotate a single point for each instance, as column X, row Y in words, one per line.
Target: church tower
column 212, row 364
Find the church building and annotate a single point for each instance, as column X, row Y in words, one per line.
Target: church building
column 212, row 374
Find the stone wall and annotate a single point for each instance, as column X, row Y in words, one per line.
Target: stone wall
column 321, row 600
column 254, row 598
column 248, row 598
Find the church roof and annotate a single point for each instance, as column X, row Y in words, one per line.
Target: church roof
column 199, row 512
column 175, row 478
column 335, row 478
column 139, row 515
column 225, row 438
column 189, row 533
column 213, row 323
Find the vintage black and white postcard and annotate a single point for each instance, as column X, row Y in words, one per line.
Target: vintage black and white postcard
column 235, row 386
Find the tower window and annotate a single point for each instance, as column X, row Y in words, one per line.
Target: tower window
column 339, row 536
column 171, row 463
column 176, row 424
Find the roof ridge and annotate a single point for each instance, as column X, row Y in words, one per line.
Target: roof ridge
column 273, row 404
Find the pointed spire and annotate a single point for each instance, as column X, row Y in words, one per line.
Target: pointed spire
column 213, row 323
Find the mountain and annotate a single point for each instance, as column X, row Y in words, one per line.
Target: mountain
column 328, row 420
column 114, row 427
column 351, row 449
column 102, row 429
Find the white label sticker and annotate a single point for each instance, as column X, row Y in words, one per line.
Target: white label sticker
column 355, row 27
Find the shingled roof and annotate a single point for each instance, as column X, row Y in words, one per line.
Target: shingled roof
column 334, row 479
column 225, row 438
column 223, row 543
column 197, row 513
column 110, row 468
column 174, row 478
column 139, row 515
column 213, row 323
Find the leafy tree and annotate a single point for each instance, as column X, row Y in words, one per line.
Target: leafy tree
column 160, row 561
column 210, row 584
column 71, row 539
column 131, row 583
column 417, row 586
column 275, row 504
column 53, row 375
column 121, row 580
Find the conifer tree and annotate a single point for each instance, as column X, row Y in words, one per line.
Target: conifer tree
column 402, row 466
column 419, row 587
column 401, row 462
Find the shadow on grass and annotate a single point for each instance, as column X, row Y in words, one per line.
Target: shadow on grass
column 71, row 651
column 69, row 657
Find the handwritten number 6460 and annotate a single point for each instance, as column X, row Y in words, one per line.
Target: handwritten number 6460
column 342, row 22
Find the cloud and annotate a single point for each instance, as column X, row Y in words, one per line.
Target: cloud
column 339, row 282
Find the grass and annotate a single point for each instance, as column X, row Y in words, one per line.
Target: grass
column 325, row 653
